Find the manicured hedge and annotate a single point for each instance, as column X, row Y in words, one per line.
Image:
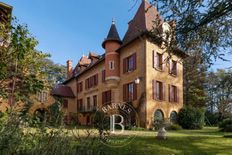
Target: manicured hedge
column 191, row 117
column 173, row 127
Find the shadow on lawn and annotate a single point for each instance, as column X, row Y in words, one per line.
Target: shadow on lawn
column 176, row 145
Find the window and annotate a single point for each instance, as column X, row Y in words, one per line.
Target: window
column 173, row 67
column 173, row 96
column 95, row 101
column 91, row 81
column 173, row 117
column 157, row 60
column 42, row 96
column 80, row 87
column 65, row 104
column 80, row 105
column 129, row 63
column 106, row 97
column 88, row 103
column 158, row 90
column 129, row 92
column 111, row 65
column 158, row 116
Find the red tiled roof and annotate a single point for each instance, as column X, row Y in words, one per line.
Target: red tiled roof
column 144, row 20
column 92, row 54
column 62, row 91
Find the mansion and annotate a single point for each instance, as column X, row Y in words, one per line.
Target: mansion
column 132, row 70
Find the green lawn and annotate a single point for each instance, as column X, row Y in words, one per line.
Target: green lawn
column 207, row 141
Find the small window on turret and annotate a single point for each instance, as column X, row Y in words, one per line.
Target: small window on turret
column 111, row 65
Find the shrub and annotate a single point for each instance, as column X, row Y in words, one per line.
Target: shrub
column 191, row 118
column 212, row 119
column 173, row 127
column 137, row 128
column 226, row 125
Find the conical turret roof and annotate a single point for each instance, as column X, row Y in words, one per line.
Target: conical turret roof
column 112, row 35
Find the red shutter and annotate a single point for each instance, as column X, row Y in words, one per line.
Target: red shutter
column 163, row 95
column 96, row 79
column 170, row 66
column 103, row 98
column 153, row 59
column 78, row 88
column 135, row 91
column 176, row 68
column 103, row 75
column 125, row 65
column 86, row 84
column 177, row 94
column 124, row 92
column 154, row 87
column 81, row 89
column 134, row 61
column 163, row 62
column 109, row 101
column 92, row 81
column 169, row 93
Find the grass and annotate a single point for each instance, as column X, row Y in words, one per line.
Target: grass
column 207, row 141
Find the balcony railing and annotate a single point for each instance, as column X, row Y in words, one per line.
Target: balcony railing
column 87, row 109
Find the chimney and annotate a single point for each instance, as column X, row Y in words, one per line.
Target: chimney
column 69, row 68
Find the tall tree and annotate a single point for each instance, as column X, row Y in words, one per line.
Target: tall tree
column 219, row 90
column 21, row 64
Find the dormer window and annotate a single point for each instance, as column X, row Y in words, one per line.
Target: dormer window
column 42, row 96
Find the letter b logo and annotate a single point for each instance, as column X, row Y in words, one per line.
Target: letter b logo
column 113, row 123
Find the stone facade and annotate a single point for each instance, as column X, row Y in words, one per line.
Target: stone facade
column 129, row 75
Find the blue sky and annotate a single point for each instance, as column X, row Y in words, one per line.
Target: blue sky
column 67, row 29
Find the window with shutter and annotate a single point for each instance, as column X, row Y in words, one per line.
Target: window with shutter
column 159, row 61
column 106, row 97
column 129, row 92
column 154, row 59
column 158, row 90
column 79, row 104
column 129, row 63
column 173, row 67
column 173, row 93
column 91, row 81
column 95, row 101
column 79, row 87
column 65, row 104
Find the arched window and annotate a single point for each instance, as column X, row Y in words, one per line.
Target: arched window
column 173, row 117
column 158, row 116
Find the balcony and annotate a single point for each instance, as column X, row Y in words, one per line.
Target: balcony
column 83, row 110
